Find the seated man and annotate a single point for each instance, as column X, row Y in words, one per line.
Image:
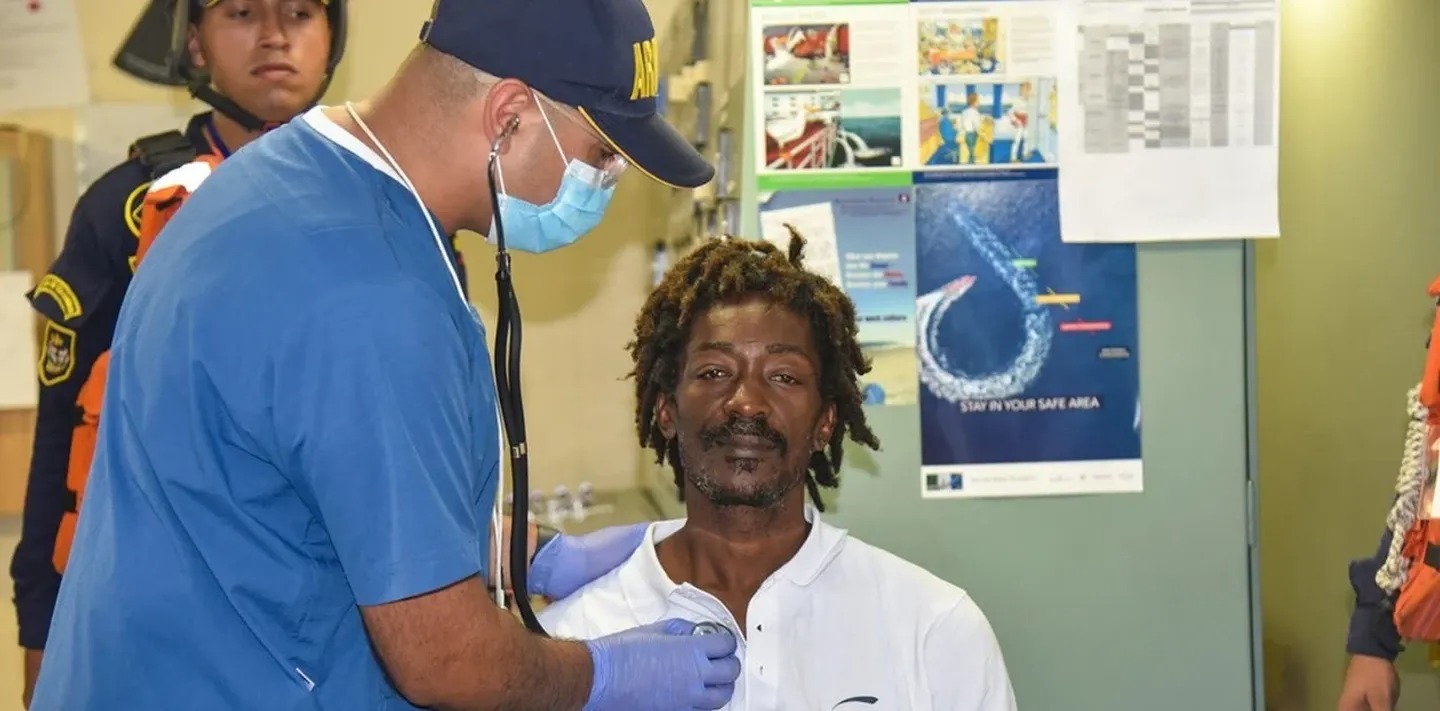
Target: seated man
column 746, row 372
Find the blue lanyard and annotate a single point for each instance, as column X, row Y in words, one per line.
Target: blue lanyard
column 213, row 135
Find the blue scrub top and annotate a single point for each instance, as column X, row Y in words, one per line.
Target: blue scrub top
column 299, row 419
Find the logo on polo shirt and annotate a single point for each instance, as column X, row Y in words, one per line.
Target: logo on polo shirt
column 647, row 71
column 854, row 701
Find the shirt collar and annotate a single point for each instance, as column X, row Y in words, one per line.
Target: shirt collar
column 648, row 589
column 195, row 131
column 328, row 128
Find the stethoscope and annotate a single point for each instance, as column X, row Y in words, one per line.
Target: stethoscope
column 507, row 376
column 512, row 405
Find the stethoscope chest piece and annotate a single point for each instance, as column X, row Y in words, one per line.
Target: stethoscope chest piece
column 703, row 628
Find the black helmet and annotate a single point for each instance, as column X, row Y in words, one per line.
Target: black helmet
column 155, row 51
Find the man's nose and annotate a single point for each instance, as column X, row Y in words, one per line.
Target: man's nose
column 748, row 398
column 272, row 32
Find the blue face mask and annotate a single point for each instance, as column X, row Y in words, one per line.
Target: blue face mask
column 577, row 208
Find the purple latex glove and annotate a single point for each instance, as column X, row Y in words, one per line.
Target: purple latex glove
column 568, row 563
column 661, row 667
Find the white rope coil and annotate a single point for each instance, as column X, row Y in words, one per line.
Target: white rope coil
column 1413, row 473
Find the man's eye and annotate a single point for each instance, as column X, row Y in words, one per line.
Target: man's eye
column 784, row 378
column 709, row 373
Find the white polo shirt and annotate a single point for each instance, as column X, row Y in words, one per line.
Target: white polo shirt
column 843, row 626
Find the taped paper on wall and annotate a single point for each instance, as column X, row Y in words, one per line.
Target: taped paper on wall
column 874, row 231
column 42, row 60
column 816, row 223
column 846, row 91
column 18, row 389
column 1172, row 119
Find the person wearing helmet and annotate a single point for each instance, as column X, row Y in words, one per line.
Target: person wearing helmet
column 257, row 62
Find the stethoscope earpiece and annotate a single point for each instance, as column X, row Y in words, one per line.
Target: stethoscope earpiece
column 511, row 127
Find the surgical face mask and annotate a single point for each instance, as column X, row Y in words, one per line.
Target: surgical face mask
column 577, row 208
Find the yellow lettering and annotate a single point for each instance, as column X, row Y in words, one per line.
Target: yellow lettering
column 639, row 62
column 59, row 290
column 653, row 64
column 647, row 70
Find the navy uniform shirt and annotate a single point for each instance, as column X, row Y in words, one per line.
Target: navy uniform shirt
column 1372, row 623
column 80, row 298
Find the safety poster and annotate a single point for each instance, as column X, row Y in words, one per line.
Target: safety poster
column 914, row 145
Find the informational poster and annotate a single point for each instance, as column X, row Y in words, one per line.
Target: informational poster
column 1027, row 347
column 1172, row 119
column 851, row 88
column 870, row 233
column 42, row 60
column 916, row 145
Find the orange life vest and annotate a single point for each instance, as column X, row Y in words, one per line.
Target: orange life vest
column 1417, row 608
column 162, row 201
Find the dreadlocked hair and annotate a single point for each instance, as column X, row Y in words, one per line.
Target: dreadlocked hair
column 725, row 270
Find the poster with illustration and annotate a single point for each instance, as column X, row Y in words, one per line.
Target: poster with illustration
column 1027, row 347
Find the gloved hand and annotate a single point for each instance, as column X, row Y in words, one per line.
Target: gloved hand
column 567, row 563
column 661, row 667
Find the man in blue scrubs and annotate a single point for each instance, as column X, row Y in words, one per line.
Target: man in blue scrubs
column 298, row 455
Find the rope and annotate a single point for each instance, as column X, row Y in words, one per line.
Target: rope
column 1413, row 474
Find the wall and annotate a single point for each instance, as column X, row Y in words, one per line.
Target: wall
column 575, row 326
column 1341, row 320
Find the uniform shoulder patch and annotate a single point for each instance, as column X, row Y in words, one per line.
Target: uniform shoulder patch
column 57, row 357
column 133, row 204
column 62, row 294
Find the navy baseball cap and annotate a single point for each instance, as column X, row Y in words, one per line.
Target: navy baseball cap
column 596, row 55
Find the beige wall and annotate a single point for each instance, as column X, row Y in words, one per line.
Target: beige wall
column 1342, row 320
column 579, row 410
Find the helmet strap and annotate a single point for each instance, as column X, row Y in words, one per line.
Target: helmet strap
column 201, row 89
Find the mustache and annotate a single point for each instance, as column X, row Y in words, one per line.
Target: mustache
column 719, row 435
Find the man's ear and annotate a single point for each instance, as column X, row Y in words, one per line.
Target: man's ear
column 825, row 428
column 192, row 46
column 505, row 102
column 665, row 416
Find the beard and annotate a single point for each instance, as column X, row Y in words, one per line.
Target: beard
column 729, row 481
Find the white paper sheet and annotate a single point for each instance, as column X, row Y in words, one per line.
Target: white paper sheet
column 105, row 132
column 1169, row 120
column 17, row 343
column 42, row 60
column 816, row 223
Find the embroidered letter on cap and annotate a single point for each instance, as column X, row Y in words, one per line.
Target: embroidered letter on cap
column 647, row 71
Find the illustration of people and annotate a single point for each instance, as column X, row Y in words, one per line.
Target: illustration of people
column 945, row 127
column 959, row 48
column 779, row 51
column 989, row 40
column 1019, row 118
column 806, row 55
column 970, row 120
